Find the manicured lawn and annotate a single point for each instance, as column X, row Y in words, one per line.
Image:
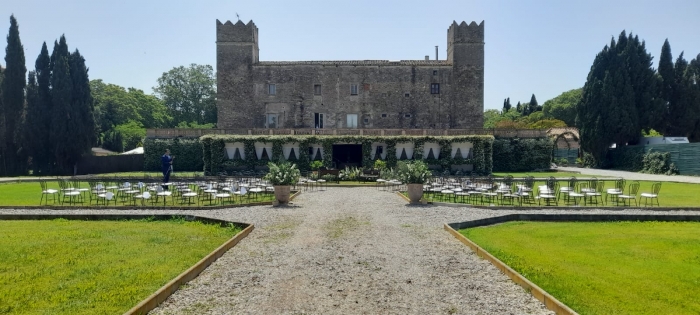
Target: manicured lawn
column 604, row 268
column 29, row 194
column 152, row 174
column 95, row 267
column 671, row 194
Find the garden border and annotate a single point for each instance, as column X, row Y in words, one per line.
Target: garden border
column 549, row 301
column 160, row 295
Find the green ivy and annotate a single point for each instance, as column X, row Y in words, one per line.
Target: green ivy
column 216, row 162
column 188, row 153
column 521, row 155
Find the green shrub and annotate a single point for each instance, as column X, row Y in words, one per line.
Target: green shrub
column 379, row 164
column 522, row 155
column 589, row 160
column 415, row 172
column 189, row 154
column 350, row 174
column 658, row 163
column 315, row 165
column 283, row 174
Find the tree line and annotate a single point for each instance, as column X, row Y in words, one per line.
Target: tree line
column 524, row 115
column 624, row 97
column 53, row 115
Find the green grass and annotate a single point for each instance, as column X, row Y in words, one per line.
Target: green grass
column 544, row 174
column 29, row 194
column 152, row 174
column 604, row 268
column 671, row 194
column 95, row 267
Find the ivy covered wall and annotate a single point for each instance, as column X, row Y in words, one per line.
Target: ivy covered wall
column 188, row 154
column 522, row 155
column 216, row 159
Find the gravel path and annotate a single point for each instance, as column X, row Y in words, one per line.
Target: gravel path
column 350, row 251
column 632, row 175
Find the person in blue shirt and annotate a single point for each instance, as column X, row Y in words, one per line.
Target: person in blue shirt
column 166, row 162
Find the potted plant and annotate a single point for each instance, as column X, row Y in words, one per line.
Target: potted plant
column 414, row 175
column 282, row 176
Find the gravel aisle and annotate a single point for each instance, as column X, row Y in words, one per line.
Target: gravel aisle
column 351, row 251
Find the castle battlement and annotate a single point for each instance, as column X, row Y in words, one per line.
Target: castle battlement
column 466, row 33
column 239, row 32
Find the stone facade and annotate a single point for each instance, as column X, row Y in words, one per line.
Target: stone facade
column 440, row 94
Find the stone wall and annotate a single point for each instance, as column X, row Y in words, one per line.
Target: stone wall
column 389, row 94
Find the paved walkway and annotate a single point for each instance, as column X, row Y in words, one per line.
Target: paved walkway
column 632, row 175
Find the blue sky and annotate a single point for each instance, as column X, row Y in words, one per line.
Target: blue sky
column 543, row 47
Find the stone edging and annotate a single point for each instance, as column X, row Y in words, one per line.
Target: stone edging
column 173, row 285
column 549, row 301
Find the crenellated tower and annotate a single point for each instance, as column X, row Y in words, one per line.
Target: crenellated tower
column 465, row 50
column 236, row 52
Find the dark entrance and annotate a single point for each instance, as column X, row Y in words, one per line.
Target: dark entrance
column 347, row 155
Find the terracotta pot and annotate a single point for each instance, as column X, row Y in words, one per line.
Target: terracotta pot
column 282, row 194
column 415, row 192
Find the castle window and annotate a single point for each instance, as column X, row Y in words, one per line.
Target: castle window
column 366, row 120
column 318, row 120
column 435, row 88
column 353, row 89
column 434, row 72
column 407, row 115
column 317, row 89
column 271, row 120
column 352, row 121
column 271, row 89
column 407, row 95
column 383, row 115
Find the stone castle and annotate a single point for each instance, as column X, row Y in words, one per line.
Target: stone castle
column 406, row 94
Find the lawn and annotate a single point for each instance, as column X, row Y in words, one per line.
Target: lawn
column 671, row 194
column 544, row 174
column 604, row 268
column 29, row 194
column 96, row 267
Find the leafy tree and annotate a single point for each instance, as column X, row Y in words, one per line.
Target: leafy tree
column 510, row 124
column 189, row 93
column 115, row 105
column 132, row 135
column 491, row 117
column 13, row 88
column 546, row 124
column 563, row 107
column 194, row 125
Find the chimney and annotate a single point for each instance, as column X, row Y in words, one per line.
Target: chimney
column 436, row 52
column 427, row 57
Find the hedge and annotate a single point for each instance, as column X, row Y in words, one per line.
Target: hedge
column 215, row 161
column 187, row 152
column 522, row 155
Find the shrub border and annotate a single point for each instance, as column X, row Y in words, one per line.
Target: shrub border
column 549, row 301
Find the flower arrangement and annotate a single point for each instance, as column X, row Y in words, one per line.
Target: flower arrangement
column 282, row 174
column 415, row 172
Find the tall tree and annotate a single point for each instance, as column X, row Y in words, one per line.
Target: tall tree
column 38, row 117
column 681, row 108
column 64, row 125
column 666, row 72
column 533, row 106
column 13, row 85
column 693, row 80
column 611, row 104
column 82, row 104
column 189, row 93
column 506, row 105
column 519, row 108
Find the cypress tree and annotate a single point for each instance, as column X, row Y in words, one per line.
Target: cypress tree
column 681, row 111
column 533, row 106
column 506, row 105
column 38, row 119
column 666, row 72
column 519, row 108
column 82, row 103
column 64, row 124
column 13, row 89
